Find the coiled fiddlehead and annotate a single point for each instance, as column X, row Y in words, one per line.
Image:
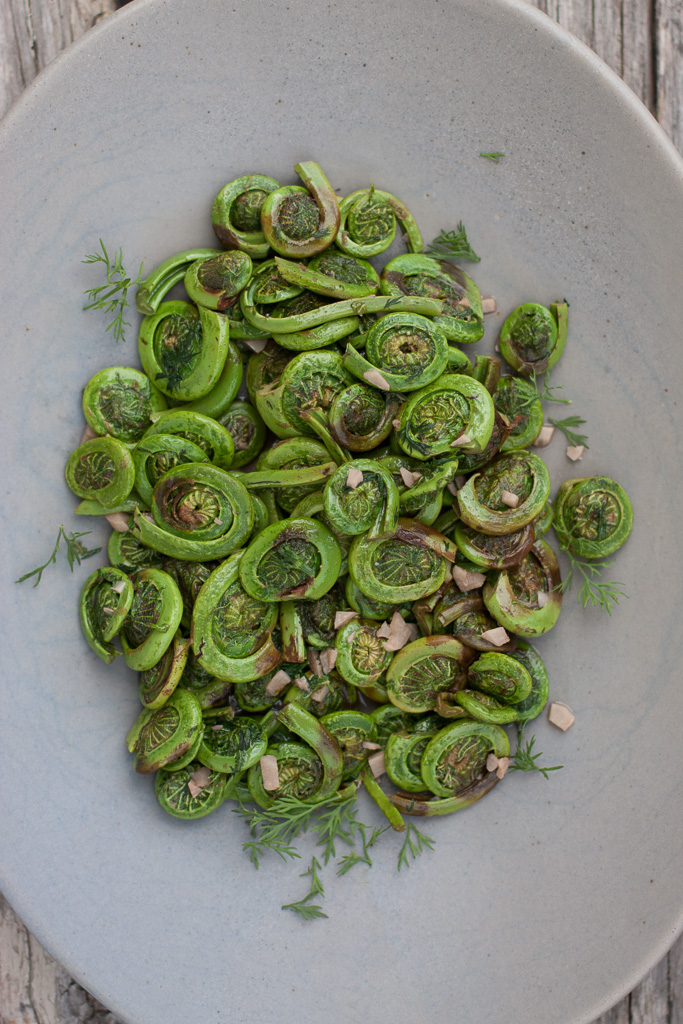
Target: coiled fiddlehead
column 360, row 417
column 247, row 430
column 231, row 631
column 500, row 676
column 168, row 733
column 301, row 221
column 361, row 656
column 101, row 469
column 119, row 401
column 370, row 506
column 592, row 516
column 454, row 413
column 367, row 223
column 408, row 350
column 202, row 430
column 215, row 282
column 105, row 601
column 295, row 558
column 482, row 501
column 518, row 402
column 351, row 729
column 183, row 349
column 526, row 599
column 425, row 668
column 153, row 619
column 492, row 551
column 292, row 454
column 402, row 756
column 532, row 339
column 156, row 684
column 179, row 798
column 156, row 455
column 200, row 513
column 461, row 319
column 455, row 759
column 403, row 568
column 232, row 746
column 236, row 214
column 467, row 615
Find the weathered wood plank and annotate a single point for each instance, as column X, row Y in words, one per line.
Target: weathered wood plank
column 676, row 982
column 668, row 19
column 650, row 1000
column 33, row 32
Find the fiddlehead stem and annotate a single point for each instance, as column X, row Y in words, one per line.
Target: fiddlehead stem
column 162, row 278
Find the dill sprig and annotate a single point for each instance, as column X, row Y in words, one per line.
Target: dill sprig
column 309, row 911
column 495, row 157
column 546, row 395
column 604, row 594
column 525, row 760
column 350, row 859
column 76, row 552
column 112, row 297
column 452, row 245
column 276, row 828
column 337, row 821
column 566, row 425
column 414, row 844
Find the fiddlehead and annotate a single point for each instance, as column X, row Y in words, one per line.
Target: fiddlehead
column 247, row 430
column 183, row 349
column 232, row 746
column 231, row 631
column 404, row 568
column 156, row 684
column 216, row 281
column 301, row 221
column 291, row 454
column 105, row 601
column 360, row 417
column 500, row 676
column 120, row 401
column 470, row 621
column 532, row 338
column 367, row 224
column 452, row 414
column 492, row 551
column 295, row 558
column 168, row 733
column 153, row 619
column 406, row 349
column 202, row 430
column 179, row 797
column 592, row 516
column 455, row 759
column 236, row 214
column 158, row 454
column 361, row 656
column 157, row 284
column 526, row 599
column 518, row 402
column 351, row 729
column 200, row 513
column 332, row 274
column 425, row 668
column 506, row 495
column 101, row 469
column 368, row 504
column 462, row 319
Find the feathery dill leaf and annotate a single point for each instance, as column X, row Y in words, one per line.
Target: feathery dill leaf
column 76, row 552
column 452, row 245
column 566, row 425
column 112, row 297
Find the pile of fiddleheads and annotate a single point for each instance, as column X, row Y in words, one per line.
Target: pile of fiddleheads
column 333, row 582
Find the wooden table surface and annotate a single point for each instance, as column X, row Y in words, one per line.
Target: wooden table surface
column 642, row 40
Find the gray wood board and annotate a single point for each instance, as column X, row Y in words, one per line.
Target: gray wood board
column 642, row 40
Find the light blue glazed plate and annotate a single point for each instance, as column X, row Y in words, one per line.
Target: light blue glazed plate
column 550, row 899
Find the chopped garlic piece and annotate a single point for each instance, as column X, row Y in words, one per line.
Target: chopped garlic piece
column 301, row 682
column 320, row 693
column 199, row 780
column 396, row 424
column 574, row 452
column 277, row 683
column 460, row 441
column 376, row 764
column 542, row 598
column 314, row 662
column 452, row 489
column 88, row 434
column 376, row 378
column 343, row 618
column 353, row 478
column 464, row 301
column 561, row 715
column 269, row 772
column 400, row 633
column 510, row 499
column 119, row 521
column 384, row 631
column 256, row 344
column 369, row 745
column 468, row 580
column 545, row 436
column 498, row 637
column 489, row 304
column 410, row 479
column 328, row 659
column 119, row 586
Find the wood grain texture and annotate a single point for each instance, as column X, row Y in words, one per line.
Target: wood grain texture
column 33, row 32
column 642, row 40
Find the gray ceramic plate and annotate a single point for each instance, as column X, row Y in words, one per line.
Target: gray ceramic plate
column 548, row 900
